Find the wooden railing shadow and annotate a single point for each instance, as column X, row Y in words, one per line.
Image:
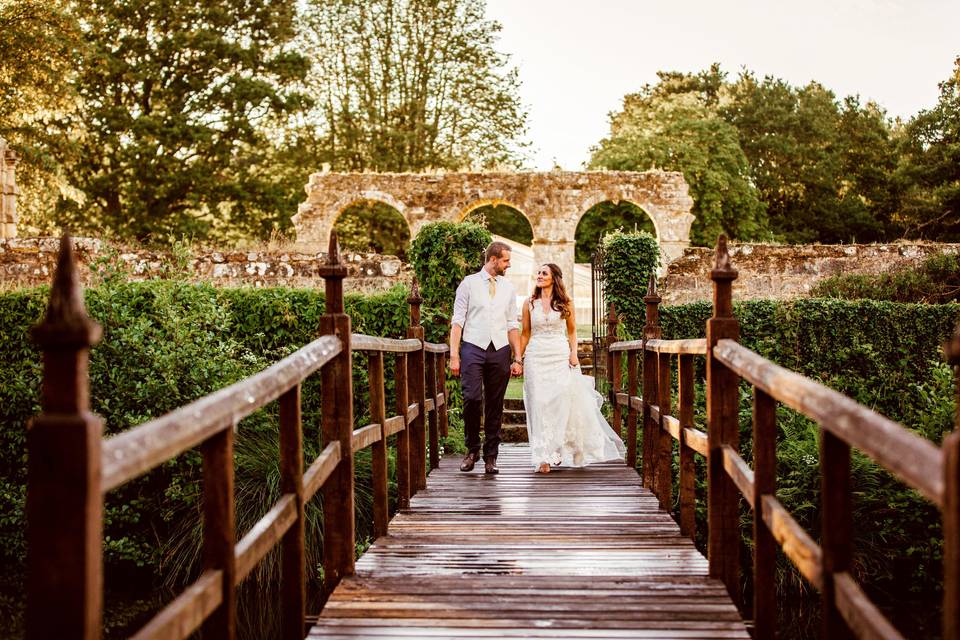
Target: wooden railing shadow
column 71, row 467
column 933, row 471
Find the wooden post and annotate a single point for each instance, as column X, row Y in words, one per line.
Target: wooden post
column 651, row 429
column 951, row 510
column 764, row 546
column 378, row 457
column 688, row 468
column 442, row 386
column 337, row 425
column 432, row 421
column 293, row 594
column 612, row 360
column 632, row 384
column 663, row 478
column 836, row 528
column 403, row 437
column 415, row 379
column 723, row 396
column 64, row 500
column 220, row 530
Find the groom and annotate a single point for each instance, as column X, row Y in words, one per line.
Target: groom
column 485, row 318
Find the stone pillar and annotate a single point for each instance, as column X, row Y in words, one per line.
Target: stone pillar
column 8, row 191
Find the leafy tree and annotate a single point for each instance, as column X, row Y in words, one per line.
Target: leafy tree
column 177, row 98
column 931, row 167
column 674, row 125
column 443, row 254
column 373, row 227
column 606, row 217
column 40, row 47
column 410, row 85
column 505, row 221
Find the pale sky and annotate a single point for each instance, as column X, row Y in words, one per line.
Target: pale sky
column 577, row 59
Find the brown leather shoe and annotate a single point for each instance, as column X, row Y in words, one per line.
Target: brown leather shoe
column 469, row 460
column 490, row 465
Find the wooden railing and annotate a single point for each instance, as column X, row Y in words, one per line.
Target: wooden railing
column 71, row 466
column 933, row 471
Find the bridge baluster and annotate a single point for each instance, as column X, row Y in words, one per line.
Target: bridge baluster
column 764, row 545
column 663, row 441
column 613, row 359
column 632, row 384
column 416, row 381
column 651, row 428
column 378, row 454
column 337, row 424
column 64, row 498
column 431, row 392
column 723, row 545
column 403, row 437
column 688, row 468
column 293, row 596
column 951, row 511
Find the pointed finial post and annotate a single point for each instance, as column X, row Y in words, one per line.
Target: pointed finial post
column 651, row 328
column 723, row 274
column 333, row 272
column 415, row 300
column 64, row 499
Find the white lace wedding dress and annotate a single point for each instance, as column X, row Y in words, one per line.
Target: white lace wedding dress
column 564, row 423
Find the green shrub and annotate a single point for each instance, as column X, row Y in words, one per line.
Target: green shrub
column 629, row 259
column 936, row 281
column 443, row 253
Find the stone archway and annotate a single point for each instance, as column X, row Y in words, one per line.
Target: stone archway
column 552, row 201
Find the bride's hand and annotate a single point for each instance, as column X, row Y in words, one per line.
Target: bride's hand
column 574, row 360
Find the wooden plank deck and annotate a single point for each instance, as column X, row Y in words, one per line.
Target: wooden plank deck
column 573, row 554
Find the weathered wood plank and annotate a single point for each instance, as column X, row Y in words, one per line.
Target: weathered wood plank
column 186, row 612
column 264, row 535
column 320, row 469
column 580, row 553
column 365, row 436
column 859, row 612
column 738, row 471
column 695, row 347
column 361, row 342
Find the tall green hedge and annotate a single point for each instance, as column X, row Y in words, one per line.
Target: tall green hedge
column 629, row 259
column 443, row 253
column 166, row 343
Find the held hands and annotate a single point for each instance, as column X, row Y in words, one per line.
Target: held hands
column 455, row 365
column 516, row 369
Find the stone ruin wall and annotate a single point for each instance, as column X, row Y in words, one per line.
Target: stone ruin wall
column 28, row 262
column 8, row 191
column 782, row 272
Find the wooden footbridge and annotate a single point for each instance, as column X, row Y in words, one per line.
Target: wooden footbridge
column 589, row 553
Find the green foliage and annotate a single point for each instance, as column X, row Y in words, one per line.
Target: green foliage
column 606, row 217
column 373, row 227
column 505, row 221
column 674, row 125
column 165, row 344
column 628, row 262
column 936, row 280
column 443, row 253
column 930, row 172
column 411, row 86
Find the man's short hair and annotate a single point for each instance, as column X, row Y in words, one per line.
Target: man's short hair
column 495, row 250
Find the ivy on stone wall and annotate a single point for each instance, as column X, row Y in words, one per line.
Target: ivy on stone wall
column 443, row 253
column 629, row 259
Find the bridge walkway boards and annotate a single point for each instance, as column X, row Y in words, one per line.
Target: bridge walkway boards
column 576, row 553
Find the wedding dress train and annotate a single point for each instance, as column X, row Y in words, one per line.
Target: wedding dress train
column 564, row 422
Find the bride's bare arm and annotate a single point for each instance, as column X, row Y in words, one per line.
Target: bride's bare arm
column 572, row 336
column 524, row 329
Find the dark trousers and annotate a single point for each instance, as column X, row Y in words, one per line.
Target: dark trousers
column 484, row 374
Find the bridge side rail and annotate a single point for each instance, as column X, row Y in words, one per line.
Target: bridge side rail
column 933, row 471
column 71, row 466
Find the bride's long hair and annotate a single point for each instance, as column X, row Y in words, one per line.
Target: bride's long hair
column 559, row 300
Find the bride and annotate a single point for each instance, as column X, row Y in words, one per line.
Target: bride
column 564, row 422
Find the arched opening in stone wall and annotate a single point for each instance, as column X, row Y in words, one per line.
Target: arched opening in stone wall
column 503, row 220
column 371, row 226
column 605, row 217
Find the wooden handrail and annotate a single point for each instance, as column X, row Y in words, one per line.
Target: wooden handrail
column 912, row 458
column 132, row 453
column 67, row 602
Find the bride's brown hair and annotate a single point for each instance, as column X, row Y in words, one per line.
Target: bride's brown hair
column 559, row 301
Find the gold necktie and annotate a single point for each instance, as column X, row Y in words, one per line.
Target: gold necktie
column 493, row 287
